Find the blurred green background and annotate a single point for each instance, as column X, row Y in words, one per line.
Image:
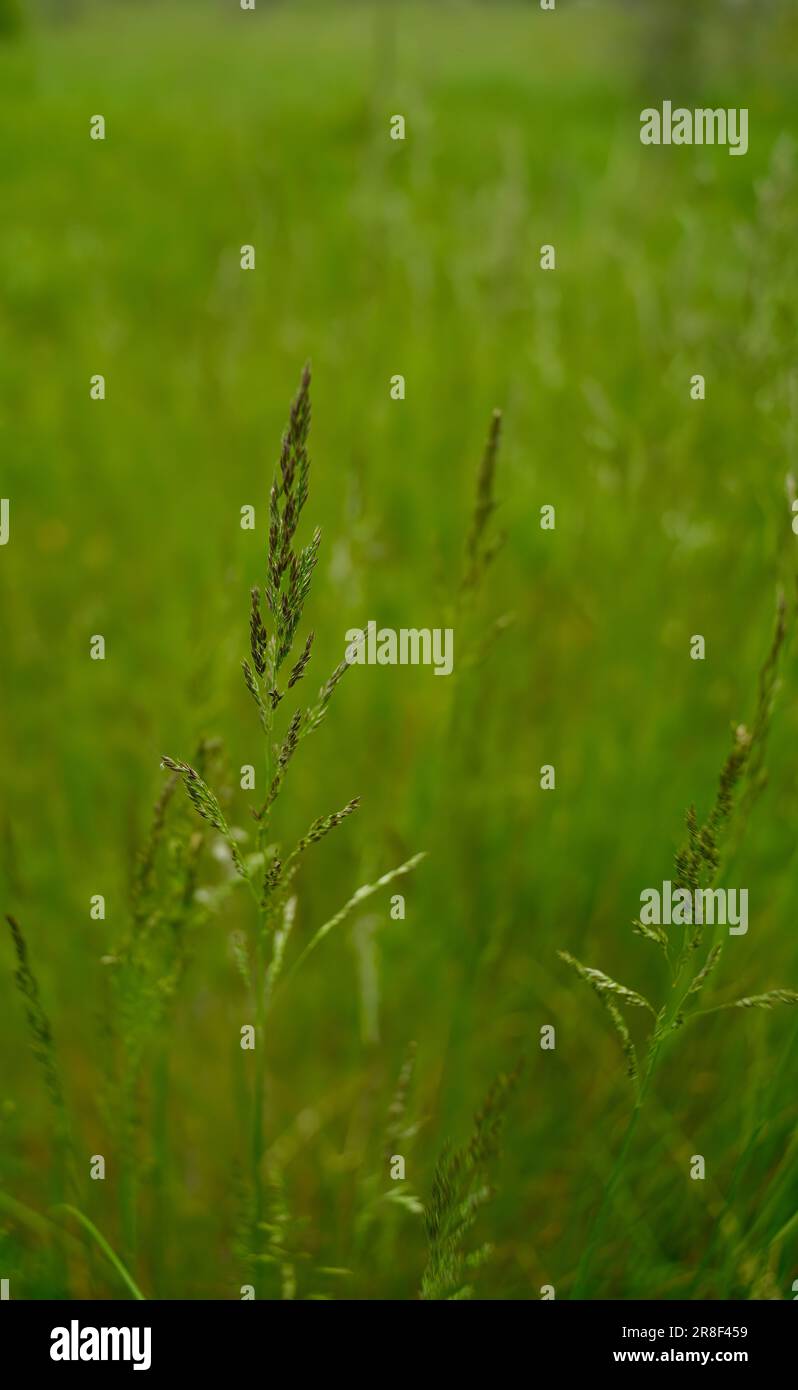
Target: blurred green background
column 421, row 257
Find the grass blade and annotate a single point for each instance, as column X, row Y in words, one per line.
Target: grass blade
column 110, row 1254
column 357, row 898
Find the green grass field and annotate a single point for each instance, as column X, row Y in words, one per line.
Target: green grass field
column 377, row 257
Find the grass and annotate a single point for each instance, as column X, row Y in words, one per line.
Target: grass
column 571, row 650
column 692, row 960
column 270, row 877
column 458, row 1192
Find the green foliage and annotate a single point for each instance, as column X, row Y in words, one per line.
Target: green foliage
column 697, row 864
column 421, row 257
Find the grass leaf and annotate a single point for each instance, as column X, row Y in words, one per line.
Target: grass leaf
column 367, row 891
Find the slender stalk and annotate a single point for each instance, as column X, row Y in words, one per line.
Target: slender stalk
column 662, row 1032
column 160, row 1203
column 110, row 1254
column 583, row 1269
column 260, row 1071
column 259, row 987
column 128, row 1177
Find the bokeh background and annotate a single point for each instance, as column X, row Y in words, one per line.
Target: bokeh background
column 420, row 257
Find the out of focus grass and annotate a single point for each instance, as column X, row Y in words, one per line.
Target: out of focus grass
column 376, row 257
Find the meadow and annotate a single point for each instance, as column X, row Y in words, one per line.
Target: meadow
column 270, row 1168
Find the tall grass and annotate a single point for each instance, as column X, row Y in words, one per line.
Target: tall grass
column 459, row 1189
column 278, row 661
column 407, row 256
column 170, row 904
column 692, row 958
